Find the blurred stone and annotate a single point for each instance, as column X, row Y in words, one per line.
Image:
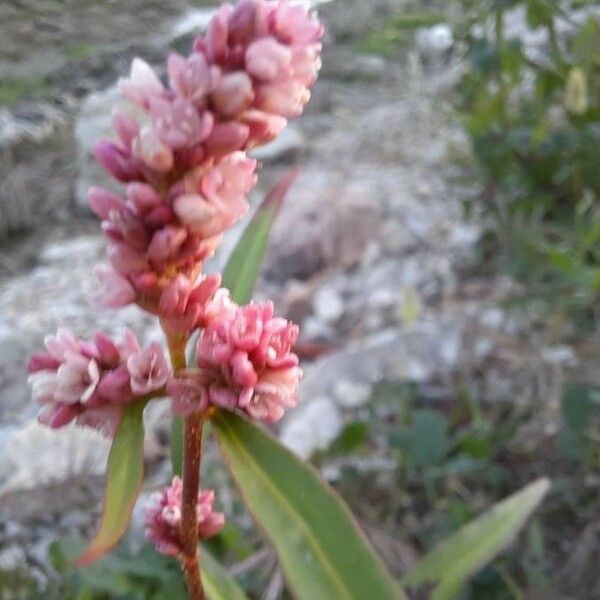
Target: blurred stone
column 12, row 558
column 313, row 427
column 351, row 394
column 328, row 304
column 35, row 456
column 434, row 43
column 311, row 234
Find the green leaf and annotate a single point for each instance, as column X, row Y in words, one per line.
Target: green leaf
column 125, row 472
column 449, row 565
column 218, row 584
column 320, row 547
column 244, row 264
column 177, row 445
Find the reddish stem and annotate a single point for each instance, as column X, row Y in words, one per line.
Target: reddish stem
column 192, row 452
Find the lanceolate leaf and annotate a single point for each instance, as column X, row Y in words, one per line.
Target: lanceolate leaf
column 321, row 549
column 245, row 261
column 218, row 584
column 125, row 472
column 464, row 553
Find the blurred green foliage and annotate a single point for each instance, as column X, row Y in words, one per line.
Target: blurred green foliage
column 532, row 112
column 451, row 456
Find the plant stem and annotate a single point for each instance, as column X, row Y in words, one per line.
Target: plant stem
column 192, row 453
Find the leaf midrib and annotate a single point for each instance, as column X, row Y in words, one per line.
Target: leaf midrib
column 277, row 493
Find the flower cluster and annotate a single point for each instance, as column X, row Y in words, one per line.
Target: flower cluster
column 244, row 362
column 184, row 157
column 163, row 518
column 92, row 381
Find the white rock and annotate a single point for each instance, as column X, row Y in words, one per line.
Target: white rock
column 328, row 304
column 12, row 558
column 434, row 42
column 36, row 455
column 559, row 355
column 351, row 394
column 312, row 427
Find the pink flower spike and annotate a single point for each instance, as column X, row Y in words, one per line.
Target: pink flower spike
column 163, row 518
column 149, row 369
column 114, row 290
column 141, row 85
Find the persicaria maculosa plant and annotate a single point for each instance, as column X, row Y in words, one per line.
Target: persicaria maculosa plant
column 186, row 174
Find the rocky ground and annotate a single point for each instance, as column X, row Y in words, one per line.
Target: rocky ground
column 371, row 254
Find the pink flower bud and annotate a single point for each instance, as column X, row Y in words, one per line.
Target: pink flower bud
column 242, row 22
column 42, row 361
column 217, row 32
column 114, row 290
column 143, row 196
column 57, row 415
column 233, row 94
column 174, row 298
column 286, row 98
column 126, row 260
column 166, row 243
column 141, row 85
column 191, row 77
column 102, row 202
column 193, row 211
column 178, row 123
column 294, row 25
column 115, row 387
column 107, row 350
column 226, row 138
column 117, row 161
column 149, row 369
column 159, row 216
column 268, row 60
column 127, row 128
column 152, row 151
column 163, row 518
column 264, row 126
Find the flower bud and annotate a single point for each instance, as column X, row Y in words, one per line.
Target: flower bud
column 233, row 94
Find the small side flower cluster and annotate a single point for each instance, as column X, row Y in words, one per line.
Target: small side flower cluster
column 244, row 361
column 183, row 156
column 92, row 381
column 163, row 518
